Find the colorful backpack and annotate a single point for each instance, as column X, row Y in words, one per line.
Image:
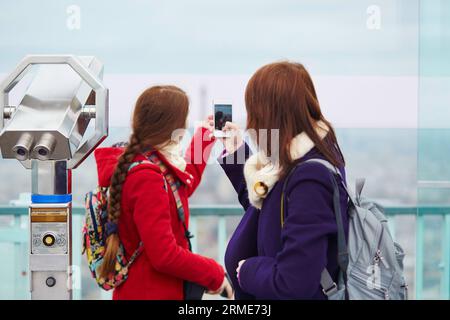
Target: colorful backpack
column 95, row 231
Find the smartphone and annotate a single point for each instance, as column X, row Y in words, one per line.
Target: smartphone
column 222, row 114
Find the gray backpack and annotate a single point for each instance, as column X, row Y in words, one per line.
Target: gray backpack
column 371, row 263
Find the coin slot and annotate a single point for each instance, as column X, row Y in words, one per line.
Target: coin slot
column 49, row 240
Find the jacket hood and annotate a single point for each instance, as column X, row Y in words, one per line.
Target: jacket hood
column 106, row 159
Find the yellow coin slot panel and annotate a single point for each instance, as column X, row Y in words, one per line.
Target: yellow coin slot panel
column 49, row 214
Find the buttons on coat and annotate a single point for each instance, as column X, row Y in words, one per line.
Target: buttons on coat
column 260, row 188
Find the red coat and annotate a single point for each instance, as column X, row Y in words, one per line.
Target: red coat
column 149, row 214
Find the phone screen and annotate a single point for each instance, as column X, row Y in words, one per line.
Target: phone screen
column 222, row 114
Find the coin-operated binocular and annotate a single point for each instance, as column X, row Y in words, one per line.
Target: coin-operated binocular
column 45, row 132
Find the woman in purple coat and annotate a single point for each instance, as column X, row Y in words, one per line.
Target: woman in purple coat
column 276, row 255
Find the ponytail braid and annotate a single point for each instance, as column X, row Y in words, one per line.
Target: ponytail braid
column 114, row 204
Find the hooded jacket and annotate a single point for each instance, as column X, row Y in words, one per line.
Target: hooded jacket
column 149, row 214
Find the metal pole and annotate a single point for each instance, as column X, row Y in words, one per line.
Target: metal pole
column 50, row 231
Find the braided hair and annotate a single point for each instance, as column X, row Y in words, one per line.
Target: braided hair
column 159, row 111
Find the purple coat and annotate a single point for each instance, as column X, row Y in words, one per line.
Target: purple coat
column 285, row 263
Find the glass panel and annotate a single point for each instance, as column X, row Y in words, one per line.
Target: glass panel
column 433, row 172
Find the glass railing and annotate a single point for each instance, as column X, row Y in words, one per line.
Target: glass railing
column 14, row 247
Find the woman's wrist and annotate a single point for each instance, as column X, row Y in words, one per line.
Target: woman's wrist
column 233, row 138
column 208, row 127
column 234, row 147
column 230, row 149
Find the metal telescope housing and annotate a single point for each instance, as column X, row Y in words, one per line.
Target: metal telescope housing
column 45, row 132
column 50, row 121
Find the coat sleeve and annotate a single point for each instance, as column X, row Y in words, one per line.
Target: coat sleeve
column 295, row 271
column 233, row 165
column 241, row 246
column 151, row 214
column 197, row 156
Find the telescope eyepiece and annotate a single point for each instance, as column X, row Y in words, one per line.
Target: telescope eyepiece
column 21, row 151
column 45, row 146
column 43, row 152
column 23, row 146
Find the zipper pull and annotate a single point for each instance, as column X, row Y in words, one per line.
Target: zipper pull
column 379, row 257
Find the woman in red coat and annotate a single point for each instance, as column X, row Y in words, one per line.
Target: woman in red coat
column 143, row 208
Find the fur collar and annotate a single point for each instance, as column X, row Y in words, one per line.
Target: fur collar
column 172, row 152
column 261, row 174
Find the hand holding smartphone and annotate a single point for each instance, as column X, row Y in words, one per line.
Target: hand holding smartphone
column 223, row 113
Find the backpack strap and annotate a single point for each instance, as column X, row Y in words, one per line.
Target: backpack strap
column 136, row 253
column 174, row 186
column 136, row 163
column 359, row 182
column 342, row 243
column 326, row 281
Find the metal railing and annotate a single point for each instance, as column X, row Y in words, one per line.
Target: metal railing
column 16, row 234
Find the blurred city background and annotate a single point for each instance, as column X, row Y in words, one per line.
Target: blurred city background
column 381, row 70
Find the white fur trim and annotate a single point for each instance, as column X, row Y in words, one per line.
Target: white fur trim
column 172, row 152
column 259, row 168
column 302, row 144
